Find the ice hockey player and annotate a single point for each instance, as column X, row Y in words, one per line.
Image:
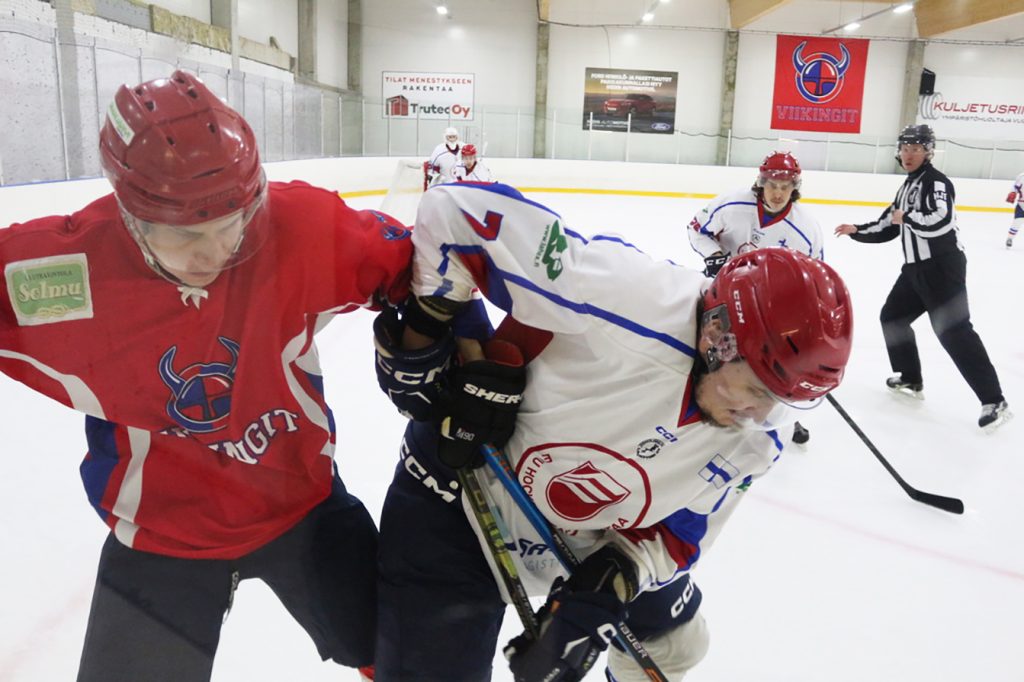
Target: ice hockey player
column 1016, row 197
column 440, row 167
column 651, row 406
column 932, row 280
column 767, row 214
column 470, row 168
column 178, row 313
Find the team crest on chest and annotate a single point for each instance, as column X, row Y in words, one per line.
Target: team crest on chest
column 597, row 487
column 200, row 399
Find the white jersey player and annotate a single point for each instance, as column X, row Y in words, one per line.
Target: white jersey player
column 1016, row 197
column 443, row 159
column 642, row 424
column 767, row 214
column 470, row 168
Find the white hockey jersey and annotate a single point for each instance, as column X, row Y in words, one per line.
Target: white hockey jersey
column 609, row 442
column 735, row 223
column 442, row 163
column 480, row 173
column 1018, row 189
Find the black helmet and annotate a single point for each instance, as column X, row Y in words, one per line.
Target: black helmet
column 917, row 134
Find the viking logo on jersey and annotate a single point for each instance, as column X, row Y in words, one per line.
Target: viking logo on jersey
column 201, row 392
column 819, row 76
column 552, row 244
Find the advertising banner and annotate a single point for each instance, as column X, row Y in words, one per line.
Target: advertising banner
column 644, row 99
column 428, row 95
column 974, row 107
column 819, row 83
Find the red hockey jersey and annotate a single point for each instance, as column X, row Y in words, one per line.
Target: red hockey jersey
column 207, row 429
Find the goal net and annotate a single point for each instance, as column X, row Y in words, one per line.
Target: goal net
column 404, row 192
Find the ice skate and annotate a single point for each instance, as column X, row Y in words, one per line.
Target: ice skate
column 896, row 384
column 800, row 434
column 1009, row 242
column 993, row 415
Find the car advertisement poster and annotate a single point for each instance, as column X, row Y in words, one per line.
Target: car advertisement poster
column 427, row 95
column 819, row 83
column 621, row 99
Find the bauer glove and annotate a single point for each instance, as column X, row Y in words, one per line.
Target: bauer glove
column 578, row 621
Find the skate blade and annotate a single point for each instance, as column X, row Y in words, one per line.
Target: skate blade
column 1003, row 418
column 907, row 393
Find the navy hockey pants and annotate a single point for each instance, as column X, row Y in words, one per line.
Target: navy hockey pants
column 440, row 610
column 158, row 618
column 937, row 286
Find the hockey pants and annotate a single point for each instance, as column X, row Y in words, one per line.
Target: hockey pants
column 158, row 618
column 440, row 610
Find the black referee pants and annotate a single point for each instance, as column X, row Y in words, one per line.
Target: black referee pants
column 937, row 286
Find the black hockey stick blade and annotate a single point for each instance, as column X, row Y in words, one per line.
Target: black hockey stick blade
column 947, row 504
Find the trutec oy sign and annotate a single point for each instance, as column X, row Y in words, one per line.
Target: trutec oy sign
column 415, row 94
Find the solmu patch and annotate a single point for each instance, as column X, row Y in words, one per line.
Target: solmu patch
column 49, row 290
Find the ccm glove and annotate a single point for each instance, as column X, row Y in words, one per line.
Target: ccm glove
column 578, row 621
column 412, row 379
column 484, row 398
column 712, row 264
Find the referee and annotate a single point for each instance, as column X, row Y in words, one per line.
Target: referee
column 933, row 278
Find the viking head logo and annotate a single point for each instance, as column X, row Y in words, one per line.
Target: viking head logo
column 200, row 393
column 819, row 76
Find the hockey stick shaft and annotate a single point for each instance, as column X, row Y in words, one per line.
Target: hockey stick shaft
column 486, row 517
column 949, row 504
column 624, row 636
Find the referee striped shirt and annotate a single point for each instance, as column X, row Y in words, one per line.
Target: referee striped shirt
column 929, row 217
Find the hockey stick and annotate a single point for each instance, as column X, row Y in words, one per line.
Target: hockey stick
column 486, row 517
column 624, row 636
column 949, row 504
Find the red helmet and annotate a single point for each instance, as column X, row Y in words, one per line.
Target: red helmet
column 792, row 319
column 469, row 150
column 779, row 166
column 176, row 154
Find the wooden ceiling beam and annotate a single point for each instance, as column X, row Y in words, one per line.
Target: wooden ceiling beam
column 935, row 17
column 744, row 12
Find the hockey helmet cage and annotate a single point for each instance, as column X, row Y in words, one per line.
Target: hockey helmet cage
column 779, row 166
column 792, row 319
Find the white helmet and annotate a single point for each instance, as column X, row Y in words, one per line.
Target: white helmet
column 451, row 132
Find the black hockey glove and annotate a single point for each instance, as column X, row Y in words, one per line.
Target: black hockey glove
column 578, row 621
column 482, row 405
column 412, row 379
column 712, row 264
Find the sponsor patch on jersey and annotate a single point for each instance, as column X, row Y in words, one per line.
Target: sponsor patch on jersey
column 49, row 290
column 549, row 253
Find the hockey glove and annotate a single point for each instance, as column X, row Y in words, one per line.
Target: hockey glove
column 482, row 405
column 712, row 264
column 412, row 379
column 1011, row 198
column 578, row 621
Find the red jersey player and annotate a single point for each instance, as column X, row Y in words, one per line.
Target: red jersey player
column 178, row 313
